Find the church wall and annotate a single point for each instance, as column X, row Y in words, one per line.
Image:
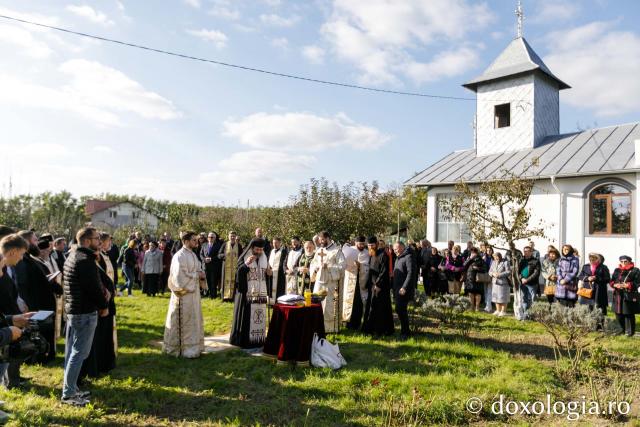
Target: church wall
column 547, row 107
column 575, row 221
column 565, row 216
column 519, row 91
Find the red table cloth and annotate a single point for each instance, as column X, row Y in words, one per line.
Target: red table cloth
column 291, row 331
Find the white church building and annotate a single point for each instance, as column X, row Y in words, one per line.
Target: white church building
column 587, row 190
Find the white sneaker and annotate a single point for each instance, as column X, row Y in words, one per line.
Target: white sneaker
column 119, row 293
column 129, row 295
column 75, row 401
column 495, row 313
column 502, row 314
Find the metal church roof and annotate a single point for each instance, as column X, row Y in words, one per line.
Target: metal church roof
column 590, row 152
column 516, row 59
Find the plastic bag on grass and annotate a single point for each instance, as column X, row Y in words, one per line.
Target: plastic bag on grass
column 326, row 355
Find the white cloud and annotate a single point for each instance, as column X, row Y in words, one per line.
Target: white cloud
column 35, row 42
column 218, row 38
column 280, row 43
column 277, row 171
column 444, row 64
column 35, row 151
column 90, row 13
column 601, row 64
column 193, row 3
column 314, row 54
column 224, row 9
column 303, row 132
column 103, row 149
column 279, row 21
column 27, row 43
column 120, row 6
column 94, row 91
column 555, row 11
column 380, row 38
column 272, row 3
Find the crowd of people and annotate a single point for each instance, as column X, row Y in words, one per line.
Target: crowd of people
column 359, row 282
column 76, row 283
column 559, row 276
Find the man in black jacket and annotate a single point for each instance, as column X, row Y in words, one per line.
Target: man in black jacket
column 84, row 296
column 528, row 272
column 403, row 285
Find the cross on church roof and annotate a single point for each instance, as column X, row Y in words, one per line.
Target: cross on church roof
column 520, row 19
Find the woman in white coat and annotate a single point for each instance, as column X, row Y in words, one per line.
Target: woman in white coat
column 500, row 272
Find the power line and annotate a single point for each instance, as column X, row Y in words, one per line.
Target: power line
column 236, row 66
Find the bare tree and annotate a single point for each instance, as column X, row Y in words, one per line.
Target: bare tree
column 497, row 211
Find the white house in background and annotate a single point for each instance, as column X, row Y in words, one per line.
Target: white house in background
column 588, row 190
column 119, row 214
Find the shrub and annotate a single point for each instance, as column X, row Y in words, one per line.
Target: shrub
column 416, row 314
column 569, row 328
column 447, row 308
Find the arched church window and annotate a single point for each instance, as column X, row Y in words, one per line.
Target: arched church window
column 610, row 210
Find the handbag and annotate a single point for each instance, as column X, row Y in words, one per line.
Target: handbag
column 630, row 296
column 550, row 290
column 585, row 293
column 483, row 277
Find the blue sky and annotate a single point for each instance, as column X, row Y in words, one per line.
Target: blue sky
column 92, row 117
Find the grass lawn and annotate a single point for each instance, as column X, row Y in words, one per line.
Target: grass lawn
column 439, row 370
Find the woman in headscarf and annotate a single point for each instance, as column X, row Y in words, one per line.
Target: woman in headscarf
column 595, row 276
column 549, row 272
column 626, row 300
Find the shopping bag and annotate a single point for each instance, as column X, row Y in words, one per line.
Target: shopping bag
column 326, row 355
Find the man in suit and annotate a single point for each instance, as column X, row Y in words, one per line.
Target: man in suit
column 212, row 264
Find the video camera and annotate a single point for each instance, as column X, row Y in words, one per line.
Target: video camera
column 29, row 345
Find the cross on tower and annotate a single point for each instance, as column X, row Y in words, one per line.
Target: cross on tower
column 520, row 18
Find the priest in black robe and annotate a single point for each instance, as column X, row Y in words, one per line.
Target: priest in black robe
column 250, row 302
column 378, row 312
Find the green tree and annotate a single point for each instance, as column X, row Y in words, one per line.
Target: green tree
column 409, row 205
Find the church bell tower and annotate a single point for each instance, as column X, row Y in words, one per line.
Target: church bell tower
column 518, row 99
